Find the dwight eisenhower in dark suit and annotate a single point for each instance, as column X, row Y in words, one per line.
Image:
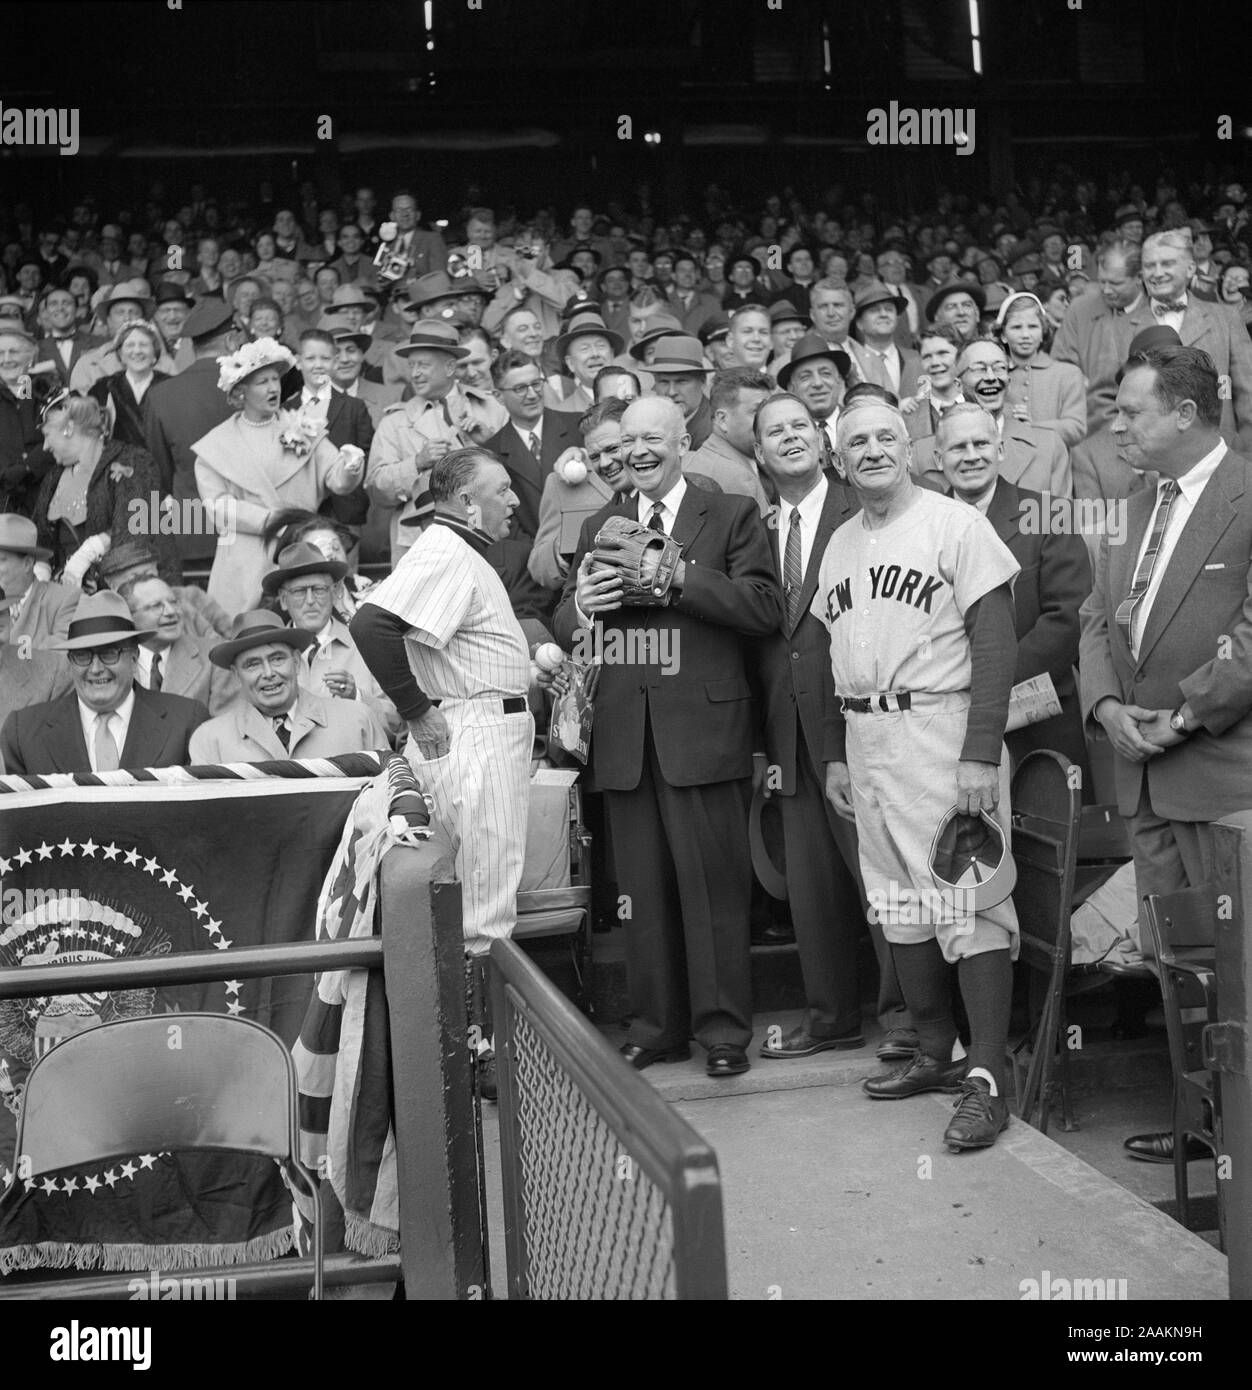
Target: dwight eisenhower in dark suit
column 672, row 748
column 106, row 722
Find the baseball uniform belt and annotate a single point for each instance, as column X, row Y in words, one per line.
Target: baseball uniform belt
column 875, row 704
column 510, row 704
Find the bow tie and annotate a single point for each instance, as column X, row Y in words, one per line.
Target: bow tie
column 1168, row 306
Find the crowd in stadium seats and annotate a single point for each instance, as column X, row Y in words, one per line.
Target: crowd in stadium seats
column 216, row 418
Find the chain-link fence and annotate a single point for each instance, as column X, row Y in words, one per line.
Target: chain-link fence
column 608, row 1193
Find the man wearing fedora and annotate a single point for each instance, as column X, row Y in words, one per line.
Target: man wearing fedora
column 171, row 310
column 959, row 305
column 173, row 660
column 726, row 455
column 414, row 434
column 818, row 374
column 123, row 304
column 873, row 345
column 435, row 295
column 39, row 610
column 303, row 586
column 678, row 374
column 277, row 716
column 107, row 722
column 787, row 325
column 587, row 344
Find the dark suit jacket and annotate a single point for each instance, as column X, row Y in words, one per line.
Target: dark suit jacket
column 181, row 411
column 1054, row 580
column 1197, row 647
column 47, row 352
column 700, row 713
column 792, row 665
column 347, row 422
column 49, row 737
column 560, row 432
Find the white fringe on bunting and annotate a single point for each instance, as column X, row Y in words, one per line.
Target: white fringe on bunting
column 117, row 1258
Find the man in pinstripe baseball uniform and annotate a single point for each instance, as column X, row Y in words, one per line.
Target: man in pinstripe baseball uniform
column 440, row 636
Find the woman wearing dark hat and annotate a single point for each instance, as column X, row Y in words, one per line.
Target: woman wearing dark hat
column 258, row 462
column 122, row 395
column 87, row 504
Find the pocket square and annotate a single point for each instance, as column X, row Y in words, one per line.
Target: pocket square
column 1215, row 567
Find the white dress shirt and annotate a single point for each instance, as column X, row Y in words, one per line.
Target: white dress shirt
column 810, row 509
column 670, row 504
column 315, row 403
column 119, row 726
column 1191, row 486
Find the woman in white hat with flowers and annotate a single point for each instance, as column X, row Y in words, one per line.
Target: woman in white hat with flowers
column 258, row 462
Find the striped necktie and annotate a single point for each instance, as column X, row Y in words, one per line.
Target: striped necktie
column 1168, row 490
column 283, row 730
column 793, row 577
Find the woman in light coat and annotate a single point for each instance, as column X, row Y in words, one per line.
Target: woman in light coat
column 258, row 462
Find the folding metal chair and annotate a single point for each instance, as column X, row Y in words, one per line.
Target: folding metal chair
column 165, row 1083
column 1184, row 935
column 1045, row 814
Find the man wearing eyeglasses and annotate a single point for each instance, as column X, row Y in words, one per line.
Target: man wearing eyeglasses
column 1033, row 458
column 108, row 721
column 173, row 660
column 528, row 446
column 305, row 584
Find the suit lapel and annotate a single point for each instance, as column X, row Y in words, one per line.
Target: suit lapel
column 835, row 512
column 148, row 732
column 1196, row 323
column 689, row 522
column 305, row 717
column 334, row 409
column 1002, row 512
column 253, row 727
column 1205, row 526
column 64, row 732
column 1019, row 454
column 522, row 463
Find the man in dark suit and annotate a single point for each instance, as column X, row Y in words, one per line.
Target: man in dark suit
column 1054, row 580
column 65, row 342
column 797, row 697
column 672, row 750
column 692, row 306
column 187, row 406
column 1165, row 666
column 107, row 722
column 347, row 419
column 528, row 446
column 27, row 677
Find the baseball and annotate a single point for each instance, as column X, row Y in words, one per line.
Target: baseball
column 574, row 471
column 549, row 657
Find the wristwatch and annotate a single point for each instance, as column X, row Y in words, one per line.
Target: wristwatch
column 1176, row 721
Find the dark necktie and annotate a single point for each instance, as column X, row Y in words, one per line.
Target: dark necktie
column 156, row 679
column 654, row 521
column 793, row 575
column 283, row 730
column 1142, row 581
column 533, row 440
column 1160, row 307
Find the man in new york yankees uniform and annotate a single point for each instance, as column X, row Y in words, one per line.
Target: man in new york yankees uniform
column 915, row 593
column 440, row 637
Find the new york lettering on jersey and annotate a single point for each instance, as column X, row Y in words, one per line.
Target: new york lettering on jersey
column 909, row 586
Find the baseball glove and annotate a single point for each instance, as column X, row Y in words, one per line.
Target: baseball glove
column 645, row 560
